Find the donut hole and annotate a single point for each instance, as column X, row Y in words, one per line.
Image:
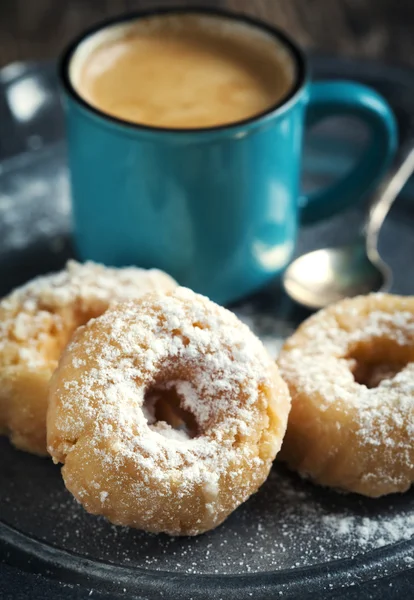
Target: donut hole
column 164, row 405
column 377, row 360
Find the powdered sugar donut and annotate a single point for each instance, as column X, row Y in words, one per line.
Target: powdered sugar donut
column 350, row 371
column 36, row 322
column 131, row 378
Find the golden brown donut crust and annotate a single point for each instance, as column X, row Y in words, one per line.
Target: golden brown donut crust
column 37, row 321
column 119, row 461
column 350, row 372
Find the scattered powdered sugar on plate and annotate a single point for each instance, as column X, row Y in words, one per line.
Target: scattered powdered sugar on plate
column 34, row 199
column 372, row 532
column 288, row 524
column 270, row 329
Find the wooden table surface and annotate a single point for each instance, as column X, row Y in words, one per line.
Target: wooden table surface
column 383, row 29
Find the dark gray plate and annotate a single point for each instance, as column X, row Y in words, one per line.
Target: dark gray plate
column 292, row 539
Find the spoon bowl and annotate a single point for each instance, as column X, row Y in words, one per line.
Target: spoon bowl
column 319, row 278
column 325, row 276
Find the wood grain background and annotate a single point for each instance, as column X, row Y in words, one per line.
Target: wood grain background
column 38, row 29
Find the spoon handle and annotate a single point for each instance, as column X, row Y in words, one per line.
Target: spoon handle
column 388, row 191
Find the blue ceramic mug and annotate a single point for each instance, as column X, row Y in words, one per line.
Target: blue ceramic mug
column 218, row 208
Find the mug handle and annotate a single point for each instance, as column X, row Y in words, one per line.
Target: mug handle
column 333, row 98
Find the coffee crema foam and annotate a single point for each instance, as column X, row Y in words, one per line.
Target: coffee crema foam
column 182, row 71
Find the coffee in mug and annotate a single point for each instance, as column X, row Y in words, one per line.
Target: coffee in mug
column 182, row 71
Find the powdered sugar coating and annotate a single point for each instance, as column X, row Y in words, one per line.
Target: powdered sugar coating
column 36, row 322
column 83, row 283
column 356, row 436
column 157, row 478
